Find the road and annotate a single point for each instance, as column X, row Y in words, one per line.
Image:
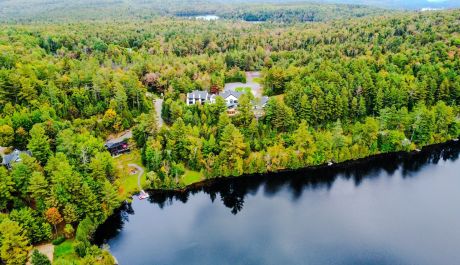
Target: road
column 158, row 105
column 140, row 171
column 256, row 88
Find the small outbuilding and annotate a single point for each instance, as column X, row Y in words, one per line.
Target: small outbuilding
column 14, row 157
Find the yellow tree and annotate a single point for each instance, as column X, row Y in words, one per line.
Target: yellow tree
column 15, row 244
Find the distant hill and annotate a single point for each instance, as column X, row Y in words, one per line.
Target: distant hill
column 404, row 4
column 255, row 10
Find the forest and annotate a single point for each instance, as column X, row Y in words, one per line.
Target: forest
column 339, row 90
column 252, row 10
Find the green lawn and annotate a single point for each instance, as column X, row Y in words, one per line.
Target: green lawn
column 128, row 181
column 257, row 80
column 243, row 89
column 65, row 252
column 191, row 177
column 279, row 97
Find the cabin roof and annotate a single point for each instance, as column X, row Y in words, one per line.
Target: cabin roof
column 14, row 157
column 110, row 145
column 122, row 139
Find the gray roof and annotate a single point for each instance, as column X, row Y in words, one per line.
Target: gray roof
column 264, row 100
column 196, row 94
column 227, row 93
column 261, row 102
column 14, row 157
column 122, row 138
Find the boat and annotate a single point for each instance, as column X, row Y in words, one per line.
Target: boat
column 143, row 195
column 455, row 140
column 330, row 163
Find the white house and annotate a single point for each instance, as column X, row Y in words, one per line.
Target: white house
column 197, row 96
column 231, row 97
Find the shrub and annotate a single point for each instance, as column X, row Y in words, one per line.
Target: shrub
column 58, row 240
column 80, row 248
column 69, row 231
column 85, row 230
column 40, row 259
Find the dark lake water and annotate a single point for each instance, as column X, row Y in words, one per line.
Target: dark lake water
column 396, row 209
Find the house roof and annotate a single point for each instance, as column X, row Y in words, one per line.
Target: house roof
column 198, row 94
column 14, row 157
column 110, row 145
column 123, row 138
column 227, row 94
column 118, row 142
column 260, row 102
column 264, row 100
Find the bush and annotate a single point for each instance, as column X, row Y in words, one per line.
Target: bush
column 58, row 240
column 80, row 248
column 85, row 230
column 69, row 231
column 40, row 259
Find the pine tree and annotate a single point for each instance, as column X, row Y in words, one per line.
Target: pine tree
column 109, row 198
column 232, row 149
column 305, row 110
column 39, row 259
column 88, row 203
column 22, row 172
column 70, row 213
column 39, row 144
column 6, row 188
column 38, row 187
column 245, row 115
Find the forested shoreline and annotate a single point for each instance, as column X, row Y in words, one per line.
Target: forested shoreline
column 339, row 91
column 128, row 10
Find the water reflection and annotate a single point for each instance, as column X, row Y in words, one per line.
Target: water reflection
column 232, row 192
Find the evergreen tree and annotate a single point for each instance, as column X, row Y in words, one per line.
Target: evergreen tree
column 39, row 144
column 6, row 188
column 39, row 259
column 232, row 148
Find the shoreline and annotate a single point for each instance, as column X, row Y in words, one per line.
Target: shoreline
column 320, row 171
column 347, row 163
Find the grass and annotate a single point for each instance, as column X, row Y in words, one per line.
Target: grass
column 257, row 80
column 65, row 252
column 279, row 97
column 191, row 177
column 127, row 180
column 243, row 89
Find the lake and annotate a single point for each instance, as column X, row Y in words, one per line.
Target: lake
column 207, row 17
column 391, row 209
